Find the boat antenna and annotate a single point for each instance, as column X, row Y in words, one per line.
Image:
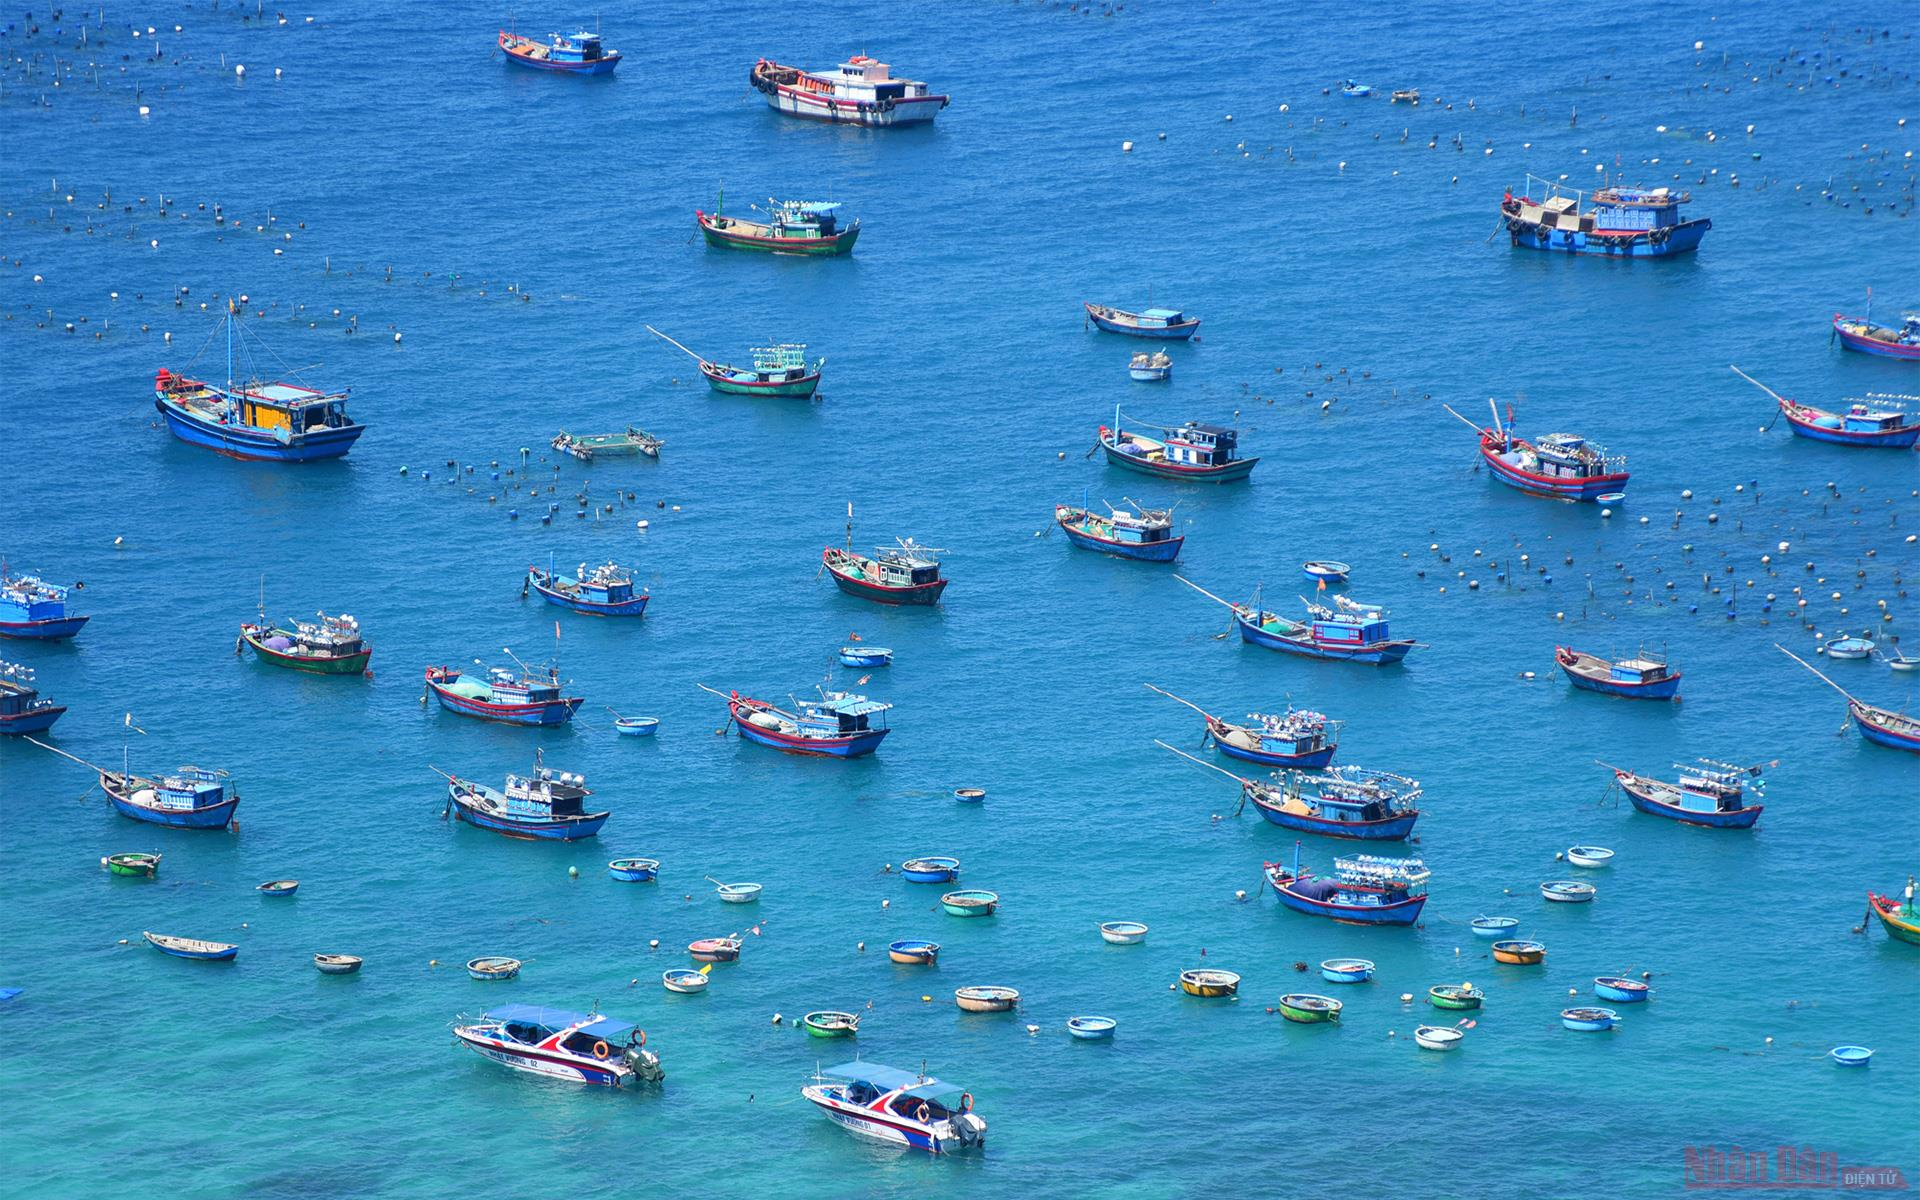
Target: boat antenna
column 849, row 527
column 263, row 598
column 1755, row 382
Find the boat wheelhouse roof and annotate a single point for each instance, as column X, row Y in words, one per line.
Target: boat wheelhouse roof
column 1165, row 314
column 289, row 394
column 810, row 207
column 560, row 1018
column 847, row 706
column 887, row 1078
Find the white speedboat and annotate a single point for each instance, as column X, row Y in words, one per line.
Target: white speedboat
column 891, row 1105
column 557, row 1043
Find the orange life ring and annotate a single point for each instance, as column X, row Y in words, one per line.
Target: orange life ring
column 922, row 1113
column 601, row 1050
column 966, row 1102
column 643, row 1037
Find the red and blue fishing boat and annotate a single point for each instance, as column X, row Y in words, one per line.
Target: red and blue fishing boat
column 1348, row 631
column 190, row 798
column 1616, row 221
column 604, row 591
column 525, row 697
column 543, row 805
column 1709, row 794
column 329, row 646
column 1339, row 802
column 1193, row 452
column 837, row 725
column 581, row 54
column 1295, row 738
column 903, row 1108
column 860, row 91
column 1860, row 333
column 1881, row 726
column 780, row 370
column 1564, row 466
column 560, row 1044
column 22, row 709
column 1873, row 420
column 35, row 610
column 805, row 227
column 269, row 421
column 1365, row 889
column 1167, row 324
column 1642, row 677
column 904, row 574
column 1146, row 534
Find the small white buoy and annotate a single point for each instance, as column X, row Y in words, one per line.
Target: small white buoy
column 1406, row 997
column 1240, row 894
column 653, row 944
column 37, row 279
column 1606, row 512
column 1032, row 1030
column 860, row 946
column 886, row 904
column 1126, row 147
column 639, row 524
column 1687, row 495
column 1699, row 45
column 1229, row 116
column 396, row 334
column 573, row 872
column 117, row 541
column 238, row 69
column 145, row 111
column 776, row 1018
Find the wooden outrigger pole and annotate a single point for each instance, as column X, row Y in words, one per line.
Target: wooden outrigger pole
column 1243, row 782
column 1179, row 700
column 663, row 337
column 1822, row 678
column 1777, row 396
column 73, row 757
column 1209, row 595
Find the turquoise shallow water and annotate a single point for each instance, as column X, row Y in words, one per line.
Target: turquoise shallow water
column 959, row 376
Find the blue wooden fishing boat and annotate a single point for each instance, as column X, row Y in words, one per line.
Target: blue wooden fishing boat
column 1296, row 738
column 865, row 656
column 543, row 805
column 1619, row 989
column 193, row 948
column 1325, row 570
column 1365, row 889
column 525, row 698
column 1614, row 220
column 581, row 54
column 271, row 421
column 1346, row 970
column 1146, row 535
column 190, row 798
column 1860, row 333
column 1878, row 419
column 914, row 952
column 1588, row 1020
column 932, row 869
column 1881, row 726
column 603, row 591
column 1642, row 677
column 1346, row 631
column 1193, row 452
column 22, row 709
column 33, row 609
column 1168, row 324
column 1339, row 802
column 1494, row 927
column 634, row 870
column 837, row 725
column 1709, row 794
column 1151, row 368
column 1562, row 466
column 278, row 887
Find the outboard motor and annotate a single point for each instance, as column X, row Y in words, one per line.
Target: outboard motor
column 971, row 1130
column 644, row 1063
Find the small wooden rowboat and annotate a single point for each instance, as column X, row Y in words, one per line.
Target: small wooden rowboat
column 1209, row 984
column 1091, row 1029
column 1494, row 927
column 1590, row 857
column 1851, row 1056
column 142, row 865
column 279, row 887
column 865, row 656
column 933, row 869
column 1567, row 891
column 830, row 1024
column 1588, row 1020
column 1437, row 1037
column 1455, row 996
column 1519, row 953
column 181, row 947
column 493, row 968
column 337, row 964
column 634, row 870
column 1123, row 933
column 725, row 949
column 683, row 981
column 1346, row 970
column 914, row 953
column 1620, row 989
column 986, row 999
column 1307, row 1009
column 970, row 904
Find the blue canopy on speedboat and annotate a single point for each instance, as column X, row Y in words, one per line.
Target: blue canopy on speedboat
column 885, row 1078
column 561, row 1018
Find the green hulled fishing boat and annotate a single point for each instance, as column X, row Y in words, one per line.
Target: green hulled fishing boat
column 1900, row 918
column 1455, row 996
column 781, row 370
column 791, row 227
column 328, row 646
column 143, row 865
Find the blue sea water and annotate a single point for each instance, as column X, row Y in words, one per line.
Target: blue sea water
column 520, row 230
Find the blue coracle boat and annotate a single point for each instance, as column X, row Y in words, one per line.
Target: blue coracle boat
column 1349, row 631
column 22, row 711
column 32, row 608
column 1620, row 222
column 1146, row 535
column 604, row 591
column 544, row 805
column 1619, row 989
column 933, row 869
column 865, row 656
column 269, row 421
column 1365, row 889
column 634, row 870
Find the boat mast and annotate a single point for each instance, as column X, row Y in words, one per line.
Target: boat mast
column 849, row 527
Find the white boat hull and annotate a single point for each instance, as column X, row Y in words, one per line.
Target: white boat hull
column 910, row 110
column 894, row 1130
column 540, row 1062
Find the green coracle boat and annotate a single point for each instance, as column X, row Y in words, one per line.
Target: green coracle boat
column 145, row 865
column 1310, row 1010
column 1455, row 996
column 792, row 227
column 831, row 1024
column 329, row 646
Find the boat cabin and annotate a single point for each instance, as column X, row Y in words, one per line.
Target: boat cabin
column 605, row 584
column 1870, row 416
column 863, row 78
column 785, row 362
column 1638, row 671
column 903, row 566
column 1161, row 318
column 509, row 688
column 1301, row 731
column 865, row 1084
column 1569, row 456
column 533, row 1025
column 1197, row 445
column 1608, row 209
column 839, row 714
column 547, row 792
column 1370, row 875
column 582, row 47
column 1707, row 786
column 331, row 637
column 1145, row 528
column 805, row 219
column 17, row 693
column 1355, row 794
column 1347, row 629
column 30, row 598
column 188, row 790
